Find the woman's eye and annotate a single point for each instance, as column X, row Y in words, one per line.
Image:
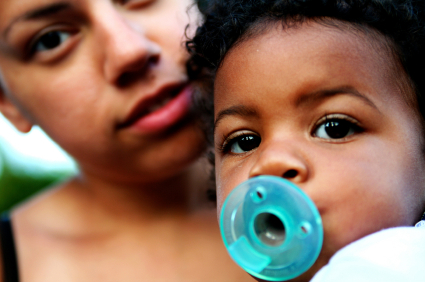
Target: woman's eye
column 50, row 40
column 136, row 3
column 243, row 143
column 336, row 128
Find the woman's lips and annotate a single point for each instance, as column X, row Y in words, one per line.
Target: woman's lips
column 162, row 114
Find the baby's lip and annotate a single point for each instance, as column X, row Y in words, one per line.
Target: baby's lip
column 151, row 103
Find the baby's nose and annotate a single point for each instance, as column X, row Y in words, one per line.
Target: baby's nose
column 281, row 159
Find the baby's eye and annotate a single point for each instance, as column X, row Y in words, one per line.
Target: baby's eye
column 50, row 40
column 241, row 143
column 336, row 128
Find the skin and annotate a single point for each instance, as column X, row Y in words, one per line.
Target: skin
column 138, row 210
column 280, row 86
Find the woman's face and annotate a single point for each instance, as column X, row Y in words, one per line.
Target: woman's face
column 105, row 79
column 322, row 107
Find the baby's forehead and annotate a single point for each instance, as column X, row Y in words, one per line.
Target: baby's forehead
column 312, row 39
column 362, row 36
column 327, row 37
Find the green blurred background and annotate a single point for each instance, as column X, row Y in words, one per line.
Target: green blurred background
column 29, row 163
column 17, row 183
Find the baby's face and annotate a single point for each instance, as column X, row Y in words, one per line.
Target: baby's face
column 322, row 107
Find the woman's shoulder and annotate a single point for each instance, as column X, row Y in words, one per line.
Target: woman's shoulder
column 67, row 210
column 43, row 224
column 51, row 211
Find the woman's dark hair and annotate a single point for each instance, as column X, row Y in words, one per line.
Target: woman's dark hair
column 228, row 22
column 202, row 5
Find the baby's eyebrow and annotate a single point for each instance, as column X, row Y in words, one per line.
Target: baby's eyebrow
column 239, row 110
column 37, row 13
column 327, row 93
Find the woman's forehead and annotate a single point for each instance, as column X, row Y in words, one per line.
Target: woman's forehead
column 15, row 10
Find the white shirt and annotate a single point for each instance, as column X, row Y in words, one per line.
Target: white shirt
column 390, row 255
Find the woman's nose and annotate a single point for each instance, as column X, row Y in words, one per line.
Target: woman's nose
column 128, row 51
column 282, row 160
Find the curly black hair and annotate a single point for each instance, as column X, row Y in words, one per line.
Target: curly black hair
column 228, row 22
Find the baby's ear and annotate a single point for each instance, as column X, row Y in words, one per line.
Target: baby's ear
column 13, row 114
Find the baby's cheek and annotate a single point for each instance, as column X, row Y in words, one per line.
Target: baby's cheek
column 346, row 205
column 224, row 187
column 228, row 176
column 362, row 204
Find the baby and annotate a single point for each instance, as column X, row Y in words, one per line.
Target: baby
column 328, row 95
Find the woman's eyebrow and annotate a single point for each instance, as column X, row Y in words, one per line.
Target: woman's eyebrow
column 37, row 13
column 238, row 110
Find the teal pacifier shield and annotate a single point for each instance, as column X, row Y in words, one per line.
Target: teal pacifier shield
column 271, row 228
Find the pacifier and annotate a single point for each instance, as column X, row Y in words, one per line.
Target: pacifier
column 271, row 228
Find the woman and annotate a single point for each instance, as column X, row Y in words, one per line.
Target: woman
column 107, row 81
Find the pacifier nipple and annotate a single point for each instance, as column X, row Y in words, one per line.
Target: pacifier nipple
column 271, row 228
